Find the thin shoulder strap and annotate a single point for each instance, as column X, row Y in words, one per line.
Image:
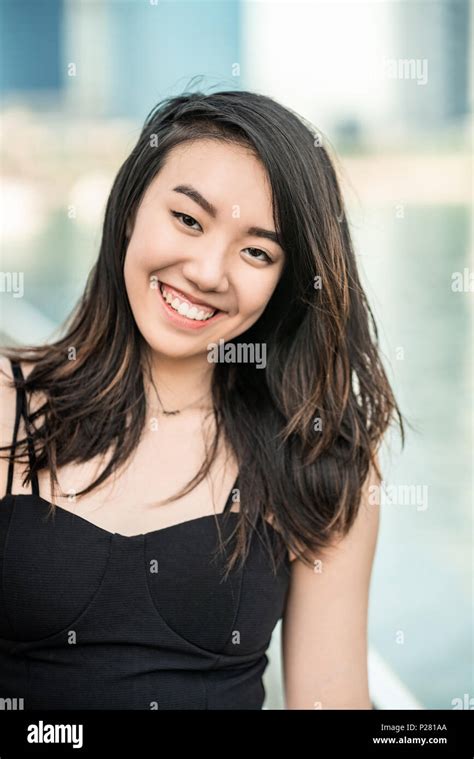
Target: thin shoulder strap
column 21, row 410
column 230, row 501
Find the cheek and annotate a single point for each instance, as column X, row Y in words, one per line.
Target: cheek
column 254, row 297
column 133, row 272
column 137, row 272
column 154, row 244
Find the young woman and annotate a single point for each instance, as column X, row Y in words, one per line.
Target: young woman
column 196, row 457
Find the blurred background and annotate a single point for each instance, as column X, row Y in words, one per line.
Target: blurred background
column 387, row 85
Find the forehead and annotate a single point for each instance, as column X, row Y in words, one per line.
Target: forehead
column 223, row 172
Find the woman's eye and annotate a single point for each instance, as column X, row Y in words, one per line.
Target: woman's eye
column 261, row 253
column 190, row 222
column 186, row 220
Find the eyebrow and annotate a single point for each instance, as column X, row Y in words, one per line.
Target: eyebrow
column 192, row 193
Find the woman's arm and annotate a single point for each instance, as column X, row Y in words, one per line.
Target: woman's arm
column 324, row 628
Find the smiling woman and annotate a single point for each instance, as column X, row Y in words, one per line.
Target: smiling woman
column 196, row 245
column 181, row 506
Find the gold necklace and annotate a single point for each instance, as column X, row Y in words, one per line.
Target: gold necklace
column 177, row 411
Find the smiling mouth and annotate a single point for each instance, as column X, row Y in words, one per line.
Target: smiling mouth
column 192, row 311
column 181, row 309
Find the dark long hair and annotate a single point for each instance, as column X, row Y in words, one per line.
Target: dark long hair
column 305, row 430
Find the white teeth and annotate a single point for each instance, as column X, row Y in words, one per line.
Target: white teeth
column 183, row 308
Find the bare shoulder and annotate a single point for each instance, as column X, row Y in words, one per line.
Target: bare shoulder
column 8, row 412
column 7, row 416
column 8, row 402
column 360, row 542
column 7, row 391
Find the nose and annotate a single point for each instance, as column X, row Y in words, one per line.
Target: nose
column 207, row 269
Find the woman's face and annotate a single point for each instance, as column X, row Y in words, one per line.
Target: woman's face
column 201, row 246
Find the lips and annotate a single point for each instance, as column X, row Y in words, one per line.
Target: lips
column 190, row 306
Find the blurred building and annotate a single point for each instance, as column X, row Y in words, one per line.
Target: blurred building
column 31, row 40
column 118, row 57
column 437, row 32
column 115, row 57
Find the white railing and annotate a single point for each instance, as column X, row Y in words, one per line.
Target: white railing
column 386, row 689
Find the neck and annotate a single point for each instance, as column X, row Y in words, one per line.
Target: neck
column 179, row 382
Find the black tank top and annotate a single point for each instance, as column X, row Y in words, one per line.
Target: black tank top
column 91, row 619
